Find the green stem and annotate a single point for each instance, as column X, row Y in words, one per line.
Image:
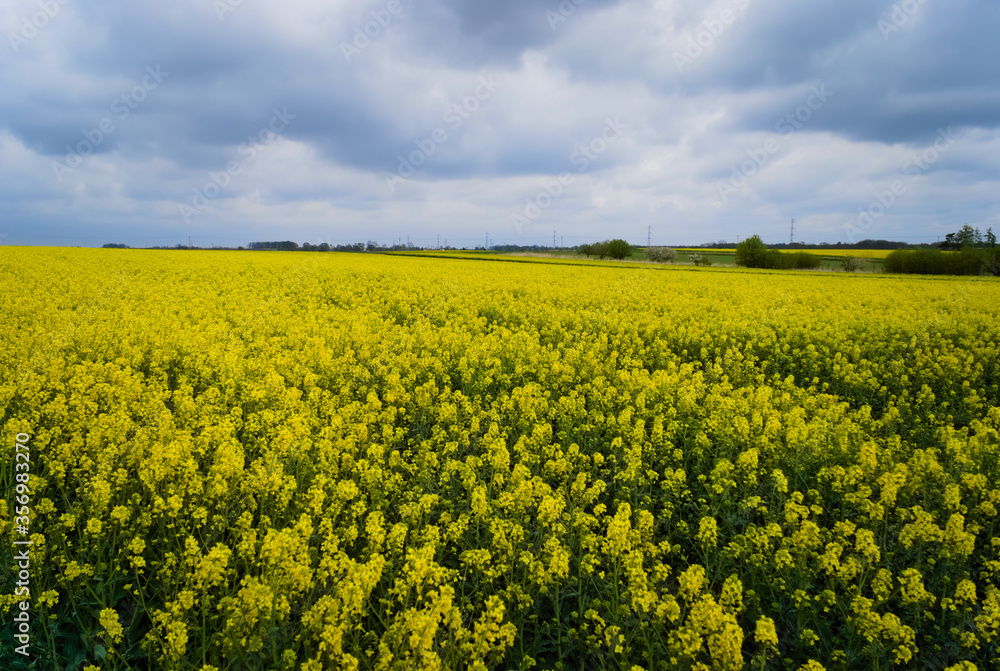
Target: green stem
column 204, row 643
column 559, row 646
column 145, row 609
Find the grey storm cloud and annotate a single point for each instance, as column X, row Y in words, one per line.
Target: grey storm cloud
column 147, row 100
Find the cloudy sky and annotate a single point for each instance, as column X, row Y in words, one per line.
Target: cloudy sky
column 228, row 121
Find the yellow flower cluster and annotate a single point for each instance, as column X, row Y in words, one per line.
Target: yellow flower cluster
column 304, row 461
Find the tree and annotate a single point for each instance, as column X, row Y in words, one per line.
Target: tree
column 968, row 236
column 990, row 258
column 752, row 253
column 615, row 249
column 661, row 254
column 618, row 249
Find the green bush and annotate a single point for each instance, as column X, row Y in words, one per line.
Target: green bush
column 753, row 253
column 796, row 261
column 852, row 264
column 967, row 261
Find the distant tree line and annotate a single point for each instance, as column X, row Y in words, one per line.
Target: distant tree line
column 520, row 248
column 357, row 247
column 967, row 237
column 284, row 246
column 864, row 244
column 292, row 246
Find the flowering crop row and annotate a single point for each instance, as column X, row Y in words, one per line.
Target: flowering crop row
column 287, row 461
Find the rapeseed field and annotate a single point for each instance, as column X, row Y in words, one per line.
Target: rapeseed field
column 240, row 460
